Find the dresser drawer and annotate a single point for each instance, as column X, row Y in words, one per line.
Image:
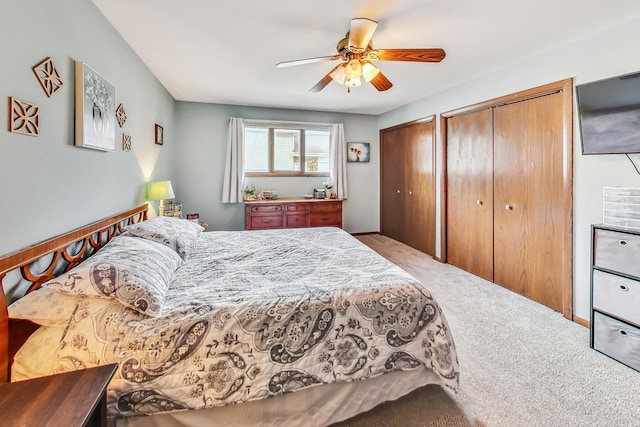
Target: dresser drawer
column 617, row 296
column 325, row 207
column 617, row 251
column 297, row 220
column 617, row 340
column 325, row 219
column 265, row 209
column 258, row 222
column 298, row 207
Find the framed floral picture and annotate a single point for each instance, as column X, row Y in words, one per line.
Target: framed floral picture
column 95, row 110
column 358, row 152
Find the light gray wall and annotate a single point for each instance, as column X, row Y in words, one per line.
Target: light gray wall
column 598, row 56
column 202, row 137
column 47, row 185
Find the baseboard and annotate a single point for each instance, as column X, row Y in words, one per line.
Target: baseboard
column 581, row 321
column 365, row 233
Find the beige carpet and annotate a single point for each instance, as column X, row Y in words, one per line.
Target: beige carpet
column 429, row 406
column 521, row 363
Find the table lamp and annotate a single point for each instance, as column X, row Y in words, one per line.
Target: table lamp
column 160, row 190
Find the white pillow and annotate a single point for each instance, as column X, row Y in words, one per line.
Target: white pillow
column 178, row 234
column 46, row 307
column 36, row 358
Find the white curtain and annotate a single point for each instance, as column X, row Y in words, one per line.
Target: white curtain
column 339, row 161
column 233, row 185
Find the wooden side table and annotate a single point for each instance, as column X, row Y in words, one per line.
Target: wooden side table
column 71, row 399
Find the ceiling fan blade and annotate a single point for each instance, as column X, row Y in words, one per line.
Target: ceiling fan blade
column 381, row 82
column 412, row 55
column 322, row 83
column 307, row 61
column 360, row 34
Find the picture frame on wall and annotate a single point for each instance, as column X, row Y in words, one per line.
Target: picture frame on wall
column 358, row 152
column 159, row 135
column 95, row 110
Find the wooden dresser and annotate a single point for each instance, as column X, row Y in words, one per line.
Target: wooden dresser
column 293, row 213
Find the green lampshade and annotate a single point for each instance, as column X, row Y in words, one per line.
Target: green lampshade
column 160, row 190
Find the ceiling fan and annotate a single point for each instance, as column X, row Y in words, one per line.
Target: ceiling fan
column 356, row 53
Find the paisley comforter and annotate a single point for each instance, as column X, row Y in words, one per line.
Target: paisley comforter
column 254, row 314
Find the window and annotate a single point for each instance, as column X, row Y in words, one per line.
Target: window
column 287, row 150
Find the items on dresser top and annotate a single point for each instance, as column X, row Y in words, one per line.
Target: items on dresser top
column 293, row 213
column 615, row 293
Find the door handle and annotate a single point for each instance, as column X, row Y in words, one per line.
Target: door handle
column 508, row 207
column 398, row 191
column 411, row 193
column 478, row 202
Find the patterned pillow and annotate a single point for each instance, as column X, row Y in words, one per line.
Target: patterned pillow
column 136, row 272
column 46, row 307
column 178, row 234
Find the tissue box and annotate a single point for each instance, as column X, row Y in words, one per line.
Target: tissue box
column 621, row 206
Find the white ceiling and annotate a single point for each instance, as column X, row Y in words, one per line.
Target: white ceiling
column 225, row 52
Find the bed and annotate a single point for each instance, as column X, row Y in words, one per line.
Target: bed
column 297, row 326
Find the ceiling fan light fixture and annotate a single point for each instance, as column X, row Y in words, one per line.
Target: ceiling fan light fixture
column 339, row 74
column 369, row 71
column 352, row 73
column 356, row 52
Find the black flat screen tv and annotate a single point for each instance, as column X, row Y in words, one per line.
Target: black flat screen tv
column 609, row 114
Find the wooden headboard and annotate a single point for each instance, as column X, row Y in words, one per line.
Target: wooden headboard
column 60, row 254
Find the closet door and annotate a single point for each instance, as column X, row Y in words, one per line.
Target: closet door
column 470, row 192
column 393, row 183
column 528, row 195
column 420, row 221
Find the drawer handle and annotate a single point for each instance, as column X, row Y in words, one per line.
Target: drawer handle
column 624, row 288
column 622, row 242
column 622, row 332
column 266, row 221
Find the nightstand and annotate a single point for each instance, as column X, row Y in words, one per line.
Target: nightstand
column 76, row 398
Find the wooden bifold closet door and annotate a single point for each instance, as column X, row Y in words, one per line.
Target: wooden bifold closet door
column 509, row 198
column 470, row 192
column 528, row 198
column 408, row 185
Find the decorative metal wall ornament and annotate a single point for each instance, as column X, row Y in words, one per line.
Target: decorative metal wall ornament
column 126, row 142
column 121, row 115
column 24, row 117
column 48, row 76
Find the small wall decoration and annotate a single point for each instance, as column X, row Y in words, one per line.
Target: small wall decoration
column 48, row 76
column 24, row 117
column 95, row 110
column 126, row 142
column 121, row 115
column 159, row 135
column 358, row 152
